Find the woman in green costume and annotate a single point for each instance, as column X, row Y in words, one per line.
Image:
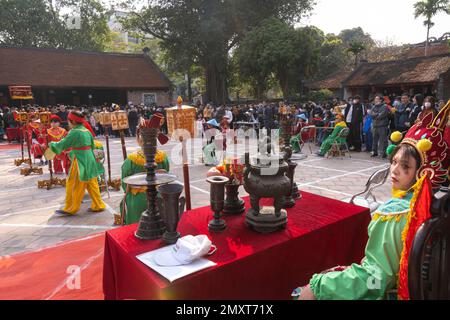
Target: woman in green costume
column 135, row 201
column 419, row 164
column 326, row 145
column 299, row 137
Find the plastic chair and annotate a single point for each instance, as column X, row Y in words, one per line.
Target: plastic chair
column 366, row 198
column 340, row 149
column 429, row 258
column 308, row 135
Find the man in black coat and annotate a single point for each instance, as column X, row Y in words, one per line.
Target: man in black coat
column 402, row 114
column 63, row 114
column 417, row 109
column 133, row 119
column 354, row 114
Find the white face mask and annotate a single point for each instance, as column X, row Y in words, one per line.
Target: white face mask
column 428, row 105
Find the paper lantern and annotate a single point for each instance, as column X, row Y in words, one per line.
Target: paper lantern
column 181, row 118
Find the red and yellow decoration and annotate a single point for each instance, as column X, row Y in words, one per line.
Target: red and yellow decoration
column 21, row 93
column 429, row 139
column 231, row 168
column 420, row 213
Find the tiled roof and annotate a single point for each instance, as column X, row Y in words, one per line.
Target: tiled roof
column 64, row 68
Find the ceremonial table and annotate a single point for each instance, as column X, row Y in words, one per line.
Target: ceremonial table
column 321, row 233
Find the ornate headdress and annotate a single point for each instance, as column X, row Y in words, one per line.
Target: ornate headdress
column 428, row 137
column 55, row 118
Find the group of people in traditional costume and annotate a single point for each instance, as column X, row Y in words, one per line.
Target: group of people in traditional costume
column 84, row 154
column 40, row 135
column 419, row 165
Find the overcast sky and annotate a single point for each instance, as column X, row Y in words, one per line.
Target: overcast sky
column 391, row 20
column 382, row 19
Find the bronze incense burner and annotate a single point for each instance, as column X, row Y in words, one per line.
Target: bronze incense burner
column 266, row 177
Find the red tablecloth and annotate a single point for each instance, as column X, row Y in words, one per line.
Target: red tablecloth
column 321, row 234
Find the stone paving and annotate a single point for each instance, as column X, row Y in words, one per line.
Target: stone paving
column 28, row 223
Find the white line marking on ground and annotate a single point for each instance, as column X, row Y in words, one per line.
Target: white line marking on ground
column 193, row 187
column 19, row 189
column 28, row 211
column 63, row 243
column 64, row 283
column 332, row 191
column 342, row 175
column 337, row 170
column 54, row 226
column 111, row 210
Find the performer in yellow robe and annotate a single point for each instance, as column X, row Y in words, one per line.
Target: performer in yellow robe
column 83, row 171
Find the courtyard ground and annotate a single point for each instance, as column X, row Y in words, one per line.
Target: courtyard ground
column 28, row 223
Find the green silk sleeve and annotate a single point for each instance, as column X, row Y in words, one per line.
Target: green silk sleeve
column 378, row 273
column 64, row 144
column 335, row 132
column 126, row 172
column 165, row 165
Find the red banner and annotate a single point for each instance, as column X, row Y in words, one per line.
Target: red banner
column 20, row 92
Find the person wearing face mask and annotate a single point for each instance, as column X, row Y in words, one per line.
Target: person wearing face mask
column 229, row 115
column 418, row 103
column 380, row 127
column 429, row 106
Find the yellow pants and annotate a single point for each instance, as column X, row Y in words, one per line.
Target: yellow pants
column 75, row 190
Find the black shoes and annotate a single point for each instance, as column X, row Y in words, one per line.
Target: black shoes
column 374, row 155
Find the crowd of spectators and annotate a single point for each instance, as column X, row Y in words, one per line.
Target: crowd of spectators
column 370, row 122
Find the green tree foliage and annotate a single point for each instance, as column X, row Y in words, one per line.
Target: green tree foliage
column 341, row 53
column 428, row 9
column 205, row 31
column 356, row 49
column 349, row 36
column 276, row 48
column 332, row 56
column 42, row 23
column 321, row 95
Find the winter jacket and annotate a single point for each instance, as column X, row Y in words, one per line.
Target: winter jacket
column 402, row 115
column 380, row 116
